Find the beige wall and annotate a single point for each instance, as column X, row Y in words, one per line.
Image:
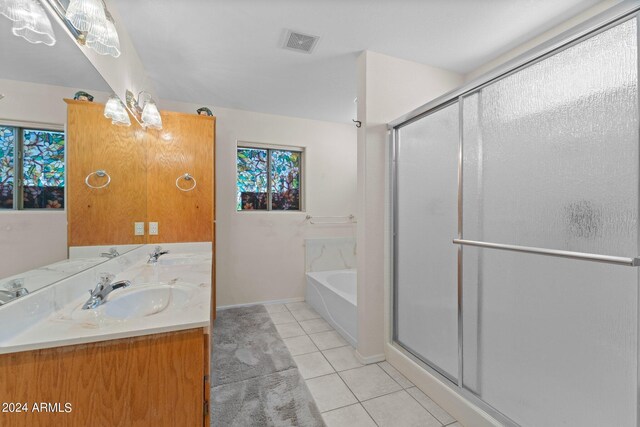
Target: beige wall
column 30, row 239
column 260, row 255
column 387, row 88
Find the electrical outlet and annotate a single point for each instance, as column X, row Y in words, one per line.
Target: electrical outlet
column 138, row 228
column 153, row 228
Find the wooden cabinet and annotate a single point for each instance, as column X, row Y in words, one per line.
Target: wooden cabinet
column 143, row 166
column 154, row 380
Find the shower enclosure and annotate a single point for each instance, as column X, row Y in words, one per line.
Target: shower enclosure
column 515, row 233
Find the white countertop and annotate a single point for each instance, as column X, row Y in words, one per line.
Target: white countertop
column 53, row 317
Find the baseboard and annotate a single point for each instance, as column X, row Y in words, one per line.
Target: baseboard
column 279, row 301
column 368, row 360
column 464, row 411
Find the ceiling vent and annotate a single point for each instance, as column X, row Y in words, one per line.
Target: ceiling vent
column 300, row 42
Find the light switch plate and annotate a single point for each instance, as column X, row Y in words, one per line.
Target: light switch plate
column 138, row 228
column 153, row 228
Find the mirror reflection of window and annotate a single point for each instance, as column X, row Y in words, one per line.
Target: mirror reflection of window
column 41, row 168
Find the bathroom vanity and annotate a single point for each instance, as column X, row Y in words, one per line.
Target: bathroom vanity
column 141, row 358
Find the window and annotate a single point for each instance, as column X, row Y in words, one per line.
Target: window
column 269, row 179
column 36, row 155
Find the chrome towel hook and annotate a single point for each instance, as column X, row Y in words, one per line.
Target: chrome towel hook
column 101, row 173
column 186, row 177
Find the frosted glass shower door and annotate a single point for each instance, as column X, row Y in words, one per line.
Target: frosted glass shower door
column 550, row 161
column 426, row 220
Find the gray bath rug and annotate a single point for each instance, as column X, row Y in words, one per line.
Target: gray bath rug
column 280, row 399
column 246, row 345
column 255, row 381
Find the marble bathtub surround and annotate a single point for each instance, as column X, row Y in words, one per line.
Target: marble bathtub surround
column 330, row 254
column 46, row 318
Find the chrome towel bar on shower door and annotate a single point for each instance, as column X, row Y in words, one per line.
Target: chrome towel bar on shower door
column 632, row 262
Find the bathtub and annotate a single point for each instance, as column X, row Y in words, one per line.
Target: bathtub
column 333, row 295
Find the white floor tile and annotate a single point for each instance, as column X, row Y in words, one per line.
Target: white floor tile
column 349, row 416
column 456, row 424
column 329, row 392
column 314, row 326
column 431, row 406
column 305, row 314
column 327, row 340
column 369, row 381
column 275, row 308
column 293, row 306
column 393, row 373
column 312, row 365
column 280, row 318
column 342, row 358
column 300, row 345
column 288, row 330
column 399, row 410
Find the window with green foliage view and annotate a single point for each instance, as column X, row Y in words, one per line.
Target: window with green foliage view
column 31, row 168
column 268, row 179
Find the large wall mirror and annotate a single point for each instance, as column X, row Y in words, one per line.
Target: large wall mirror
column 34, row 81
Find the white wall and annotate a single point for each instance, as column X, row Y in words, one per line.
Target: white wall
column 387, row 88
column 260, row 255
column 30, row 239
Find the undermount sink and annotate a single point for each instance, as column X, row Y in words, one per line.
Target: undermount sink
column 182, row 259
column 145, row 300
column 137, row 301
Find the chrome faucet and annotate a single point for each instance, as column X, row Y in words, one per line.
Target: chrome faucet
column 113, row 252
column 103, row 289
column 157, row 252
column 14, row 289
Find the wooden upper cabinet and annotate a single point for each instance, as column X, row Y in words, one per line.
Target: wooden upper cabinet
column 103, row 216
column 143, row 166
column 185, row 145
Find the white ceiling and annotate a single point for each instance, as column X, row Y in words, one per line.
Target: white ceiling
column 228, row 52
column 62, row 64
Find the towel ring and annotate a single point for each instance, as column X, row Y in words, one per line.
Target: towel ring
column 186, row 177
column 100, row 173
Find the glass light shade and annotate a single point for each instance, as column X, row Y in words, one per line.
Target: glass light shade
column 84, row 14
column 122, row 118
column 114, row 110
column 151, row 116
column 13, row 9
column 104, row 38
column 112, row 107
column 34, row 25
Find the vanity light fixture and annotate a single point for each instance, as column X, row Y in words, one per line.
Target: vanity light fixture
column 115, row 111
column 86, row 15
column 104, row 38
column 95, row 25
column 30, row 21
column 144, row 110
column 88, row 21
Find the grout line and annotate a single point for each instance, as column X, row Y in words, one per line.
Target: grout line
column 397, row 382
column 428, row 411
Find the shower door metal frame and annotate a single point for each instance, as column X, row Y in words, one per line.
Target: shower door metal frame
column 616, row 15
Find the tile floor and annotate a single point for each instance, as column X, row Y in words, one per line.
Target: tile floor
column 348, row 393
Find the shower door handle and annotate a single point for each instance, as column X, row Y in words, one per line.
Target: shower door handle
column 631, row 262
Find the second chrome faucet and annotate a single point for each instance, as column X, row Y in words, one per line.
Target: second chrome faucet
column 103, row 289
column 157, row 252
